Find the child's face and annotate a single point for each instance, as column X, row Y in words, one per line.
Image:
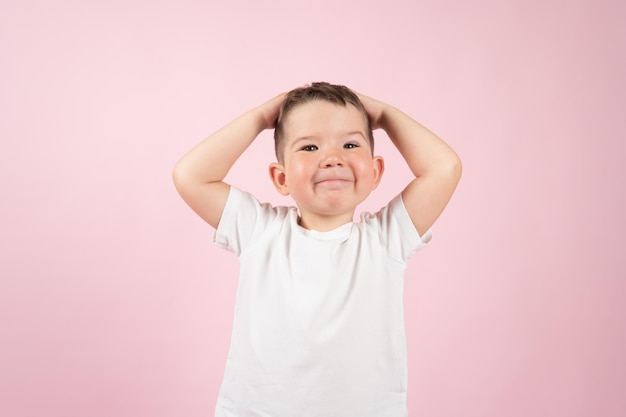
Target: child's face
column 327, row 167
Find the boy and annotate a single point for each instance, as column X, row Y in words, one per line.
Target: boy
column 318, row 328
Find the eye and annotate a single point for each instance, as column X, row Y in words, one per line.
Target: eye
column 309, row 148
column 351, row 145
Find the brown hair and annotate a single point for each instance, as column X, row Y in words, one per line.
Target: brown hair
column 337, row 94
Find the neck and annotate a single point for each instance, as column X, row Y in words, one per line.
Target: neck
column 323, row 223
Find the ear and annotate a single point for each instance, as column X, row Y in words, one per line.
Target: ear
column 278, row 177
column 378, row 164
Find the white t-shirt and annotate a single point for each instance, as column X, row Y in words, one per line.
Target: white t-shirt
column 318, row 328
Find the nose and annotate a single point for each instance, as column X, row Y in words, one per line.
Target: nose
column 332, row 159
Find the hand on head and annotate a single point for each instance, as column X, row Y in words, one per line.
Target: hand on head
column 374, row 109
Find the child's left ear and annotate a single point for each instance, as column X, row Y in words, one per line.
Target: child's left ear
column 378, row 164
column 277, row 175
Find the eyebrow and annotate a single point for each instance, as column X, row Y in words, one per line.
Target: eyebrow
column 356, row 132
column 302, row 139
column 314, row 137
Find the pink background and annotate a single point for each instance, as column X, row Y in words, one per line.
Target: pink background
column 113, row 302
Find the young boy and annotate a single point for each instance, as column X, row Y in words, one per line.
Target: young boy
column 318, row 328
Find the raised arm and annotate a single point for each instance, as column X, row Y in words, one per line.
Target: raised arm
column 436, row 167
column 199, row 175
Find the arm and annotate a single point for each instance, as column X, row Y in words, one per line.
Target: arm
column 199, row 175
column 436, row 167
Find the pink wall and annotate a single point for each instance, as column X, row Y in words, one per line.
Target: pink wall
column 113, row 302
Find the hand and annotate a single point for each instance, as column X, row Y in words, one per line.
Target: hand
column 270, row 110
column 374, row 109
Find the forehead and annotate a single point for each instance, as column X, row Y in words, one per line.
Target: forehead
column 320, row 117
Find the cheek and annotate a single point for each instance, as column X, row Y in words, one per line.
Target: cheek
column 365, row 169
column 297, row 171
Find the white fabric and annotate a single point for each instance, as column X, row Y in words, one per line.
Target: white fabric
column 318, row 328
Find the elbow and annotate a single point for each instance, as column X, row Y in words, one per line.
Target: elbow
column 453, row 168
column 451, row 172
column 448, row 169
column 176, row 174
column 457, row 168
column 179, row 175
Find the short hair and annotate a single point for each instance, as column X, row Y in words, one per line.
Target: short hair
column 317, row 91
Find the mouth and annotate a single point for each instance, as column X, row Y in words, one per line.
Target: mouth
column 333, row 179
column 333, row 183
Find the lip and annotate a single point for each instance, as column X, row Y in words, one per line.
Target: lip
column 333, row 183
column 332, row 178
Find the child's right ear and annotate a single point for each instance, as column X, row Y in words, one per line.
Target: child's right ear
column 278, row 177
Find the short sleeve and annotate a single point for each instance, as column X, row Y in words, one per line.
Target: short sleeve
column 397, row 232
column 243, row 220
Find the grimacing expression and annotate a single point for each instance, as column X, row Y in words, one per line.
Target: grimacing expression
column 327, row 164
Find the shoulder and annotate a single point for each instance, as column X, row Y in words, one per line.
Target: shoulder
column 393, row 228
column 245, row 218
